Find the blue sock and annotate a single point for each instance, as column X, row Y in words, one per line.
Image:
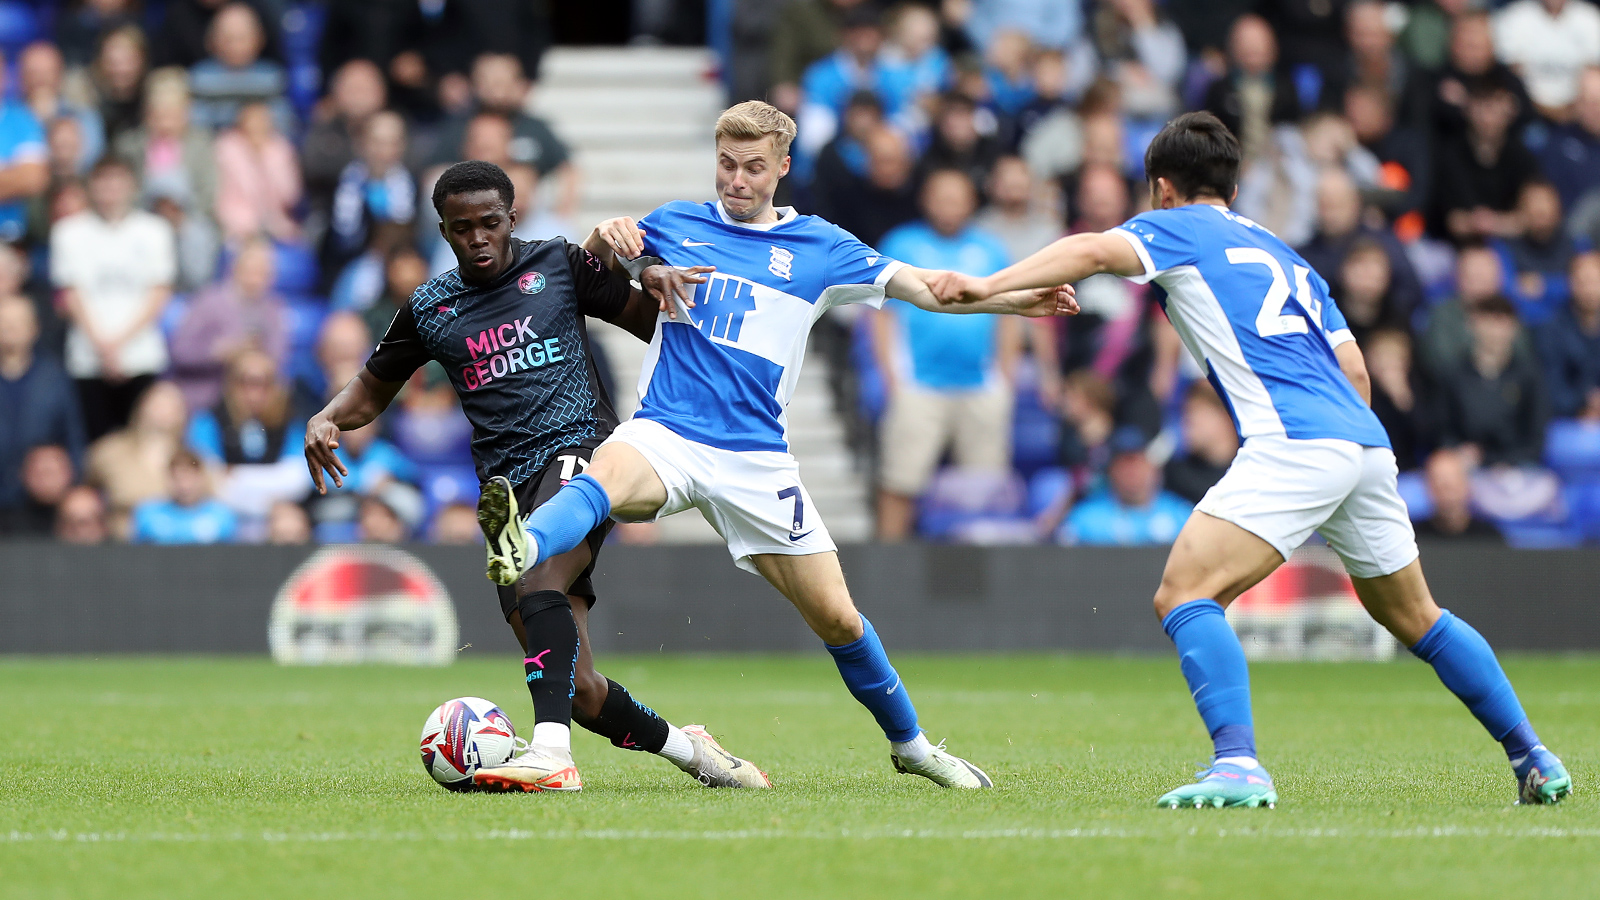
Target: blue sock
column 567, row 518
column 1466, row 665
column 872, row 680
column 1219, row 680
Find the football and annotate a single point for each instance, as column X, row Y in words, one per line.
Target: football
column 462, row 736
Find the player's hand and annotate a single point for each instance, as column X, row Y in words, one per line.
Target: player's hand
column 322, row 438
column 954, row 287
column 623, row 236
column 663, row 283
column 1040, row 303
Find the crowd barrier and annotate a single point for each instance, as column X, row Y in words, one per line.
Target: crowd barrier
column 124, row 599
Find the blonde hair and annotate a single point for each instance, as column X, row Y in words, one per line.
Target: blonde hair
column 753, row 120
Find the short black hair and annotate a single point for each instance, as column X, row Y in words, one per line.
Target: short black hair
column 469, row 177
column 1198, row 154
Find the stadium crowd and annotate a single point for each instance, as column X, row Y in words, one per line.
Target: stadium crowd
column 210, row 210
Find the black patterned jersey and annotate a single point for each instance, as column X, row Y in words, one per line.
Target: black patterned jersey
column 517, row 352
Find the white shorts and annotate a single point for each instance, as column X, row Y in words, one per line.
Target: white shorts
column 753, row 498
column 1281, row 489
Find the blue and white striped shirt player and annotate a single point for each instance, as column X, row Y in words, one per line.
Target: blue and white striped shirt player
column 722, row 373
column 1259, row 320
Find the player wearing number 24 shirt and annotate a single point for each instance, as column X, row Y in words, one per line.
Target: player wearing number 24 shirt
column 711, row 431
column 1263, row 327
column 508, row 326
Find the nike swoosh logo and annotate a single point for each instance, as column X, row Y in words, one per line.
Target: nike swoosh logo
column 689, row 243
column 796, row 537
column 896, row 685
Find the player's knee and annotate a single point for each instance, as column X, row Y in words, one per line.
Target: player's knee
column 839, row 626
column 589, row 694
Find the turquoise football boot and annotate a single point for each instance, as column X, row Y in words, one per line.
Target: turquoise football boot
column 1224, row 784
column 1541, row 778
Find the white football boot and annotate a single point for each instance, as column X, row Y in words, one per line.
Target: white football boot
column 713, row 766
column 944, row 769
column 509, row 553
column 535, row 769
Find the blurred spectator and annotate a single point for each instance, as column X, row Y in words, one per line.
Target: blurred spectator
column 429, row 428
column 1493, row 407
column 372, row 460
column 534, row 222
column 390, row 34
column 1205, row 25
column 113, row 266
column 374, row 188
column 886, row 198
column 1143, row 52
column 1279, row 191
column 250, row 423
column 242, row 313
column 500, row 88
column 1311, row 38
column 1404, row 156
column 287, row 523
column 24, row 173
column 404, row 271
column 81, row 517
column 116, row 80
column 171, row 156
column 458, row 32
column 827, row 84
column 1569, row 345
column 1445, row 344
column 1396, row 399
column 915, row 67
column 1425, row 37
column 356, row 93
column 39, row 69
column 192, row 515
column 1364, row 288
column 1131, row 509
column 37, row 403
column 259, row 178
column 1088, row 408
column 957, row 143
column 1548, row 42
column 188, row 30
column 1209, row 444
column 1339, row 228
column 45, row 477
column 842, row 164
column 1471, row 64
column 131, row 466
column 1253, row 96
column 1101, row 335
column 343, row 345
column 80, row 25
column 64, row 154
column 1007, row 61
column 1569, row 154
column 1538, row 256
column 390, row 515
column 456, row 523
column 1450, row 489
column 946, row 376
column 806, row 31
column 1047, row 132
column 1478, row 173
column 1373, row 61
column 1049, row 23
column 1015, row 214
column 359, row 284
column 235, row 73
column 199, row 244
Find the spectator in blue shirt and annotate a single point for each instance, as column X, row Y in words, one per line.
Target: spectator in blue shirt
column 38, row 405
column 1569, row 345
column 1050, row 23
column 1569, row 154
column 192, row 516
column 829, row 83
column 24, row 173
column 1132, row 509
column 1536, row 260
column 946, row 377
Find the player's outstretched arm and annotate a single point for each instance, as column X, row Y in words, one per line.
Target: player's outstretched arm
column 914, row 286
column 361, row 401
column 1067, row 261
column 662, row 285
column 1354, row 367
column 615, row 239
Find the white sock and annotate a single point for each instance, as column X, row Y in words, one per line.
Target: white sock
column 913, row 751
column 553, row 735
column 677, row 748
column 1243, row 762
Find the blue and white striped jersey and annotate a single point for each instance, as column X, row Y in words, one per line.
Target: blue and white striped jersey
column 722, row 373
column 1259, row 321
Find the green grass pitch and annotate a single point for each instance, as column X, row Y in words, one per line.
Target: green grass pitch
column 206, row 778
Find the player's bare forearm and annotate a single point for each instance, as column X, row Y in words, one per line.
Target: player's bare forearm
column 1069, row 260
column 24, row 180
column 919, row 288
column 361, row 401
column 597, row 245
column 1354, row 367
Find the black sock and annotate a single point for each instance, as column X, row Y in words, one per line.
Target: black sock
column 552, row 654
column 628, row 723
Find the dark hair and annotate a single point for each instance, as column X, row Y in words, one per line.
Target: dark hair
column 109, row 163
column 469, row 177
column 1198, row 154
